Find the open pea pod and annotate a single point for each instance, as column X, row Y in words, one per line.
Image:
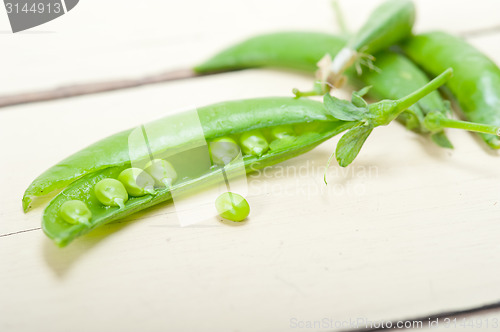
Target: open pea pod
column 309, row 121
column 217, row 120
column 83, row 189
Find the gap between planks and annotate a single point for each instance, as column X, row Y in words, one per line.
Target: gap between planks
column 19, row 232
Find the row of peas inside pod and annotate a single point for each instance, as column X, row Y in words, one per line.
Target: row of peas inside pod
column 161, row 174
column 136, row 182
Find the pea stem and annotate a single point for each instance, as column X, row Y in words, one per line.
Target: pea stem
column 299, row 94
column 119, row 202
column 404, row 103
column 443, row 122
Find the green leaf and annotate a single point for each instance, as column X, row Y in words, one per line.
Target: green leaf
column 358, row 101
column 343, row 109
column 350, row 144
column 357, row 97
column 441, row 140
column 363, row 91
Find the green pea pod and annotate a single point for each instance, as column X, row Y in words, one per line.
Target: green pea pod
column 63, row 233
column 396, row 77
column 289, row 50
column 476, row 84
column 109, row 157
column 389, row 23
column 302, row 50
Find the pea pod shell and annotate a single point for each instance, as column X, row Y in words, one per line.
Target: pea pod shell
column 388, row 24
column 217, row 120
column 290, row 50
column 476, row 80
column 82, row 189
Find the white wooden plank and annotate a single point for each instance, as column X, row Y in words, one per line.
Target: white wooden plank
column 410, row 231
column 488, row 320
column 115, row 39
column 393, row 243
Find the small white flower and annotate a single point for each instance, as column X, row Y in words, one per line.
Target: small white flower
column 330, row 72
column 324, row 66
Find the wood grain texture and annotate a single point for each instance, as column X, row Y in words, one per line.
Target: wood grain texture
column 409, row 230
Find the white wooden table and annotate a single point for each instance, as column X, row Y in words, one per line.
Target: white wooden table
column 411, row 231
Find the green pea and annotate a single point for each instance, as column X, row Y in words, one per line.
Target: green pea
column 75, row 212
column 137, row 182
column 232, row 206
column 281, row 132
column 111, row 192
column 162, row 172
column 223, row 150
column 253, row 143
